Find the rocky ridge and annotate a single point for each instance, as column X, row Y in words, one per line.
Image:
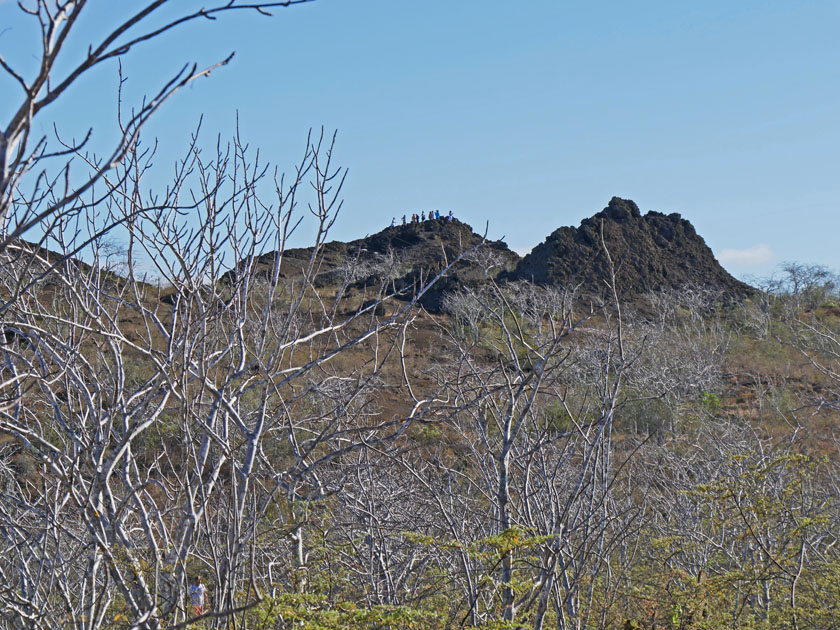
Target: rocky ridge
column 651, row 252
column 408, row 255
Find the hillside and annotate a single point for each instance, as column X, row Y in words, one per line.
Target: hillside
column 406, row 255
column 440, row 459
column 652, row 252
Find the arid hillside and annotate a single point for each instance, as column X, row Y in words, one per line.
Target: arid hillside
column 395, row 432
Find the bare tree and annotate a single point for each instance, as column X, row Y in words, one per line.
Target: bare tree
column 179, row 431
column 527, row 497
column 37, row 186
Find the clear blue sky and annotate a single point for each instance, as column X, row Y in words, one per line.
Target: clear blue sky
column 531, row 114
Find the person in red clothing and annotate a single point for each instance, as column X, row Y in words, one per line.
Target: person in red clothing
column 198, row 595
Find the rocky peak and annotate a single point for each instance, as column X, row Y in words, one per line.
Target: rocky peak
column 619, row 210
column 651, row 252
column 407, row 254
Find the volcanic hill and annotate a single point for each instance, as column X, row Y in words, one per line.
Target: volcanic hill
column 653, row 252
column 407, row 254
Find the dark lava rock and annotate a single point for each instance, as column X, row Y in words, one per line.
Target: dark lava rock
column 653, row 252
column 408, row 255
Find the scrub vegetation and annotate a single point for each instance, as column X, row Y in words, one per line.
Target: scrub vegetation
column 323, row 451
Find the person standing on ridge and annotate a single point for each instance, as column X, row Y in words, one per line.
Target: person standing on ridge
column 423, row 215
column 393, row 221
column 449, row 218
column 437, row 214
column 403, row 220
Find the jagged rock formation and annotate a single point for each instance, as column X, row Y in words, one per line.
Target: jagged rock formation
column 651, row 253
column 408, row 255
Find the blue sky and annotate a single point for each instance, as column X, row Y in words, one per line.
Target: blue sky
column 527, row 115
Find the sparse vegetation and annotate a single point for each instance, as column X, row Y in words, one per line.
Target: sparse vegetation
column 400, row 432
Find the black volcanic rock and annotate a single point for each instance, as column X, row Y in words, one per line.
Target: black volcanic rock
column 651, row 253
column 409, row 254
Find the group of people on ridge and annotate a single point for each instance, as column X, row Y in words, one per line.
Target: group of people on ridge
column 417, row 218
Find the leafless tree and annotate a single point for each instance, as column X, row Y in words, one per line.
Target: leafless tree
column 183, row 429
column 37, row 186
column 533, row 475
column 745, row 514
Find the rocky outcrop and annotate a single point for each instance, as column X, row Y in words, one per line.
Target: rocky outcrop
column 651, row 252
column 407, row 255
